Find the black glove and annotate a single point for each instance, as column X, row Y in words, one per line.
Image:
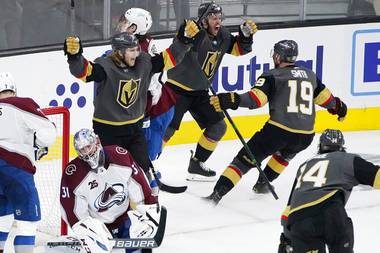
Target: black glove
column 340, row 109
column 72, row 46
column 39, row 152
column 223, row 101
column 284, row 246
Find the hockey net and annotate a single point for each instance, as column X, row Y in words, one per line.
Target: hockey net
column 48, row 176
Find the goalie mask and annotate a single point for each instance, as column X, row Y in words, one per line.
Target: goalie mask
column 89, row 149
column 331, row 140
column 7, row 83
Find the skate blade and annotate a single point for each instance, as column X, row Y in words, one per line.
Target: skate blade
column 200, row 178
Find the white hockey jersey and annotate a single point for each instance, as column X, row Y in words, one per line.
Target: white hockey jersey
column 104, row 195
column 21, row 120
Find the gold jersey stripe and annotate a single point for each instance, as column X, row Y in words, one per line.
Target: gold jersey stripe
column 117, row 123
column 169, row 60
column 87, row 71
column 260, row 95
column 313, row 203
column 376, row 183
column 232, row 175
column 182, row 86
column 236, row 50
column 290, row 129
column 322, row 97
column 207, row 143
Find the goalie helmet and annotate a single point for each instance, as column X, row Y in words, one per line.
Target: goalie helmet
column 7, row 82
column 204, row 10
column 331, row 140
column 124, row 40
column 287, row 49
column 89, row 148
column 139, row 17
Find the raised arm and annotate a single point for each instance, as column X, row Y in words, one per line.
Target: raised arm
column 79, row 66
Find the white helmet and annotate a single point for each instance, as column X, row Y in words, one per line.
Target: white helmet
column 141, row 18
column 7, row 82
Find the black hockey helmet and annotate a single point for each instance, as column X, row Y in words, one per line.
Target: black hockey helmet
column 331, row 140
column 124, row 40
column 206, row 9
column 287, row 49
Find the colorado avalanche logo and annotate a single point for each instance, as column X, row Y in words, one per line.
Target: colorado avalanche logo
column 70, row 169
column 111, row 195
column 121, row 150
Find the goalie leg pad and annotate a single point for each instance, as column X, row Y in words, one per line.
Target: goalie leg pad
column 93, row 235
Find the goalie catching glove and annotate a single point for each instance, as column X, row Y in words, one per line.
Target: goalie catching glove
column 339, row 109
column 224, row 101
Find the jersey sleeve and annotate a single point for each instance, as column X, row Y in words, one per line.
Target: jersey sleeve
column 85, row 70
column 323, row 96
column 240, row 45
column 44, row 129
column 170, row 57
column 366, row 172
column 259, row 93
column 139, row 190
column 74, row 207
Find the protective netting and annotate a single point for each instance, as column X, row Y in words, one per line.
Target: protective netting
column 49, row 172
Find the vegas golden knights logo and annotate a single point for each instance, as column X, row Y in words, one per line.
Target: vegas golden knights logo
column 128, row 92
column 210, row 62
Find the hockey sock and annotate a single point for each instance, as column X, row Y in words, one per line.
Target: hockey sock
column 275, row 167
column 24, row 243
column 205, row 148
column 230, row 177
column 3, row 238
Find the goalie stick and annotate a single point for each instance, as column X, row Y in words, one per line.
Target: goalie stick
column 142, row 243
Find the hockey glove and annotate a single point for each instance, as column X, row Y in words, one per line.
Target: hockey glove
column 72, row 46
column 284, row 246
column 39, row 152
column 223, row 101
column 340, row 109
column 191, row 28
column 248, row 28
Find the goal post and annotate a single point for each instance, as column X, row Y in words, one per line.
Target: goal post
column 49, row 172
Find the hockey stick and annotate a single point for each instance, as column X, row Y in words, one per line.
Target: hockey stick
column 167, row 188
column 141, row 243
column 247, row 149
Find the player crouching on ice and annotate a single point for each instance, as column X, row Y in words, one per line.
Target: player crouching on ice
column 97, row 187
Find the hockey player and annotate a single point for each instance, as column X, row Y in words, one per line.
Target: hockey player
column 123, row 80
column 316, row 215
column 138, row 21
column 291, row 92
column 192, row 78
column 25, row 134
column 101, row 183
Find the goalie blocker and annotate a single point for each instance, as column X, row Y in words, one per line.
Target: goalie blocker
column 147, row 230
